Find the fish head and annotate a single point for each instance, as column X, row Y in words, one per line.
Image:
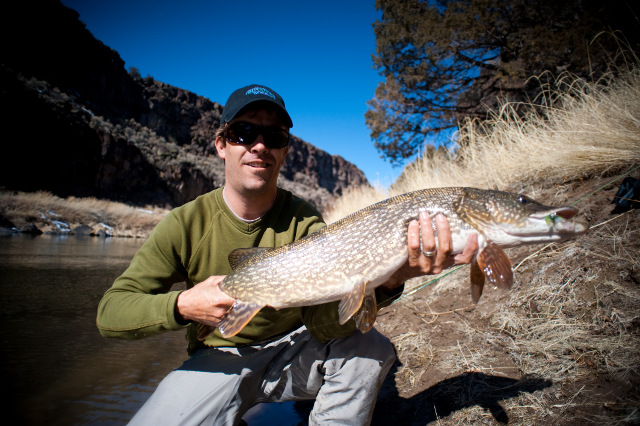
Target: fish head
column 513, row 219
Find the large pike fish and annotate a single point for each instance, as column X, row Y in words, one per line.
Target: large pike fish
column 348, row 259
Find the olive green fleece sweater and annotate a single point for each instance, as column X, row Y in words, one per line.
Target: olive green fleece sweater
column 193, row 243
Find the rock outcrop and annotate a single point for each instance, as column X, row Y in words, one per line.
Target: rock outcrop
column 78, row 124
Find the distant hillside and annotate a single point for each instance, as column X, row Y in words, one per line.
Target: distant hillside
column 76, row 123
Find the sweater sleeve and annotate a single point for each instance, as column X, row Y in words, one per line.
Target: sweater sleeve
column 140, row 302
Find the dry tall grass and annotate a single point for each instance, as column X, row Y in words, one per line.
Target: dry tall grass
column 587, row 129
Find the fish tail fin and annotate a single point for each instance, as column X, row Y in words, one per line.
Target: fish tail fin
column 239, row 316
column 204, row 331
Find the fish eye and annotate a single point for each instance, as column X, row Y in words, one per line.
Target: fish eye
column 523, row 200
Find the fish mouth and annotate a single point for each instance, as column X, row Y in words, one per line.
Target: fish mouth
column 560, row 221
column 565, row 213
column 543, row 226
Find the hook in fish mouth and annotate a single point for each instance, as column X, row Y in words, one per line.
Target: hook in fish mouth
column 564, row 212
column 552, row 216
column 560, row 220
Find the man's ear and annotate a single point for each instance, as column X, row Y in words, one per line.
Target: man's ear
column 221, row 146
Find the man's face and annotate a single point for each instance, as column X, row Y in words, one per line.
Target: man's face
column 252, row 169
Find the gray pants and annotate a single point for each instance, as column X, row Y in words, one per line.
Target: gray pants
column 216, row 386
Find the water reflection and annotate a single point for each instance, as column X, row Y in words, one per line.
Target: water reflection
column 55, row 366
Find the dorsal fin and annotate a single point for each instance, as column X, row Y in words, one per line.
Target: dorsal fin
column 239, row 256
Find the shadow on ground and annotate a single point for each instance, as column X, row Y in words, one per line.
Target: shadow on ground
column 450, row 395
column 433, row 404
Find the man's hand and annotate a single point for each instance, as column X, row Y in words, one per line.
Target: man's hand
column 204, row 302
column 440, row 257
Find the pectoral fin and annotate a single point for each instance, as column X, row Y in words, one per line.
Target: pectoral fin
column 366, row 316
column 477, row 281
column 496, row 266
column 239, row 315
column 350, row 304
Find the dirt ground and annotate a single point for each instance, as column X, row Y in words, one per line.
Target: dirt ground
column 561, row 347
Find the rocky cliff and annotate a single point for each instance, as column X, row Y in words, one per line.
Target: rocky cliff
column 76, row 123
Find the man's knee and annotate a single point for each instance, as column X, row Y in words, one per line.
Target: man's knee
column 372, row 345
column 381, row 347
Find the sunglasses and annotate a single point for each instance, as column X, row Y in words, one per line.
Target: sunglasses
column 246, row 133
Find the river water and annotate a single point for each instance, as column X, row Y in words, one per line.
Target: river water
column 56, row 369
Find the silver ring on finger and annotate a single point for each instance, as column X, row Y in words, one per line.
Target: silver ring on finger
column 429, row 253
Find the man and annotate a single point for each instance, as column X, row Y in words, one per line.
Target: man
column 289, row 354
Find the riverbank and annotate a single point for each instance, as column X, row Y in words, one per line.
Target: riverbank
column 44, row 213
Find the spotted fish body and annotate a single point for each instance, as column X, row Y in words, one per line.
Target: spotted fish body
column 348, row 259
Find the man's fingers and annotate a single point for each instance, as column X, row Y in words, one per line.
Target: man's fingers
column 444, row 239
column 205, row 302
column 427, row 235
column 431, row 252
column 220, row 298
column 413, row 242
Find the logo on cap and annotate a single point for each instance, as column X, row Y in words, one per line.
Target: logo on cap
column 260, row 91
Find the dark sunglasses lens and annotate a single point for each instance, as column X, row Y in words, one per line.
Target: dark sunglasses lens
column 239, row 133
column 277, row 138
column 246, row 134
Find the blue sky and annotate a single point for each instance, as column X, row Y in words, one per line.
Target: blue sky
column 315, row 53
